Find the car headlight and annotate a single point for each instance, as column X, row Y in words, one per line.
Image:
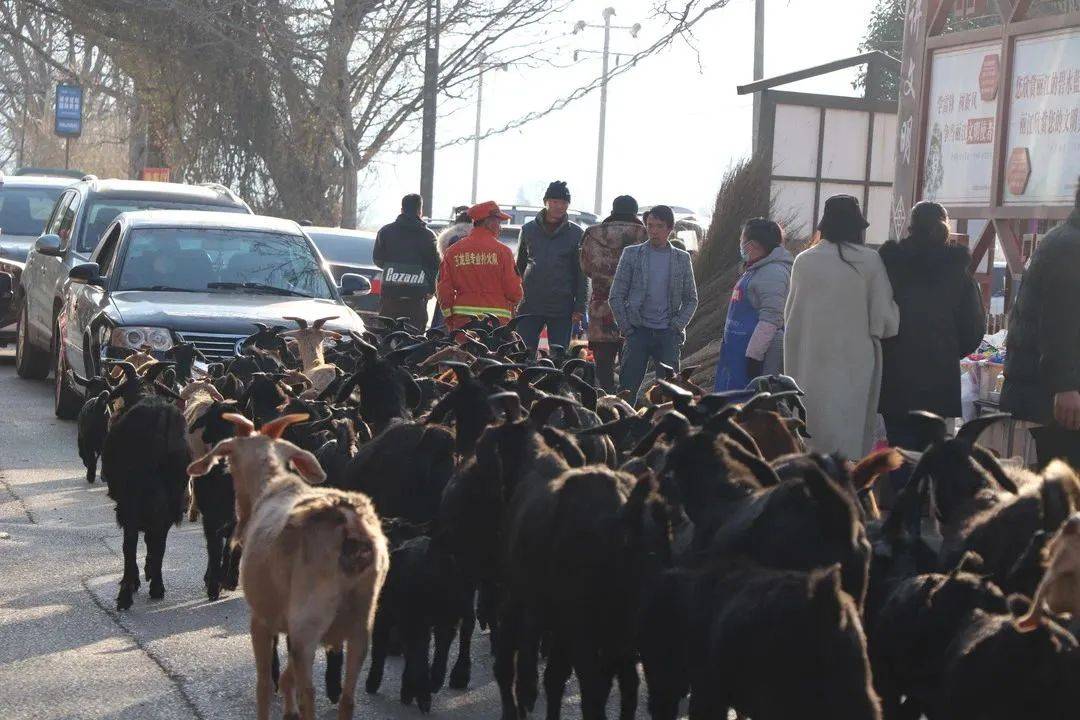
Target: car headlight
column 136, row 338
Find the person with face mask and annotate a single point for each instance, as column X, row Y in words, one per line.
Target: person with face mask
column 753, row 342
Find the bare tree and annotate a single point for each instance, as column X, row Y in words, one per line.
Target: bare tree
column 36, row 51
column 286, row 100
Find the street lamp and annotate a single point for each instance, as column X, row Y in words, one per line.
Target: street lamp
column 607, row 26
column 476, row 135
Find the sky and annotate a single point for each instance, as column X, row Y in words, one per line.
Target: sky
column 674, row 123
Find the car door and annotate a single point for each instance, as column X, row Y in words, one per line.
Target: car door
column 85, row 302
column 37, row 292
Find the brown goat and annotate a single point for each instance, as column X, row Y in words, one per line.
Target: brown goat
column 1060, row 587
column 314, row 562
column 775, row 436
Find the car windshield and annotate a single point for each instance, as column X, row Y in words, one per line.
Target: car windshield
column 345, row 248
column 103, row 210
column 24, row 211
column 219, row 260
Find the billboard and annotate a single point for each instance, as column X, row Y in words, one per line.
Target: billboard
column 958, row 157
column 1042, row 155
column 68, row 113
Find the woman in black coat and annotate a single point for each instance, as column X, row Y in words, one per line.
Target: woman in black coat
column 941, row 321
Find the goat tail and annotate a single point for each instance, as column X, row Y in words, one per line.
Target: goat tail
column 362, row 546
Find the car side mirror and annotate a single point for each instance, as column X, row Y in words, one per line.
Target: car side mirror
column 49, row 245
column 87, row 274
column 354, row 284
column 7, row 285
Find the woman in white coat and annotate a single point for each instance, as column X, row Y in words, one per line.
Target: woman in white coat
column 839, row 308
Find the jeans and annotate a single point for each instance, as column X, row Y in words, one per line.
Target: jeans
column 604, row 356
column 1053, row 443
column 558, row 328
column 644, row 344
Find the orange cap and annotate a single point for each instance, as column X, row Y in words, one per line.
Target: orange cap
column 485, row 210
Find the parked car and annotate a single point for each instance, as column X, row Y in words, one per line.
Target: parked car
column 71, row 233
column 350, row 251
column 69, row 173
column 25, row 204
column 162, row 277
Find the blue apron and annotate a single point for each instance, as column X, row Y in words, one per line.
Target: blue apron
column 742, row 319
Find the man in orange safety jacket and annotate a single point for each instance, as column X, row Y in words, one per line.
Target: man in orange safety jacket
column 477, row 274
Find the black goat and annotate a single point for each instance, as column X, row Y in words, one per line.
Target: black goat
column 421, row 597
column 772, row 644
column 579, row 549
column 471, row 513
column 144, row 461
column 93, row 422
column 216, row 500
column 912, row 633
column 404, row 470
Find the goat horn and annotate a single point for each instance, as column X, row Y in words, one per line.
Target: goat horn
column 298, row 320
column 667, row 371
column 672, row 424
column 716, row 402
column 317, row 324
column 971, row 430
column 244, row 427
column 542, row 408
column 130, row 374
column 274, row 428
column 931, row 427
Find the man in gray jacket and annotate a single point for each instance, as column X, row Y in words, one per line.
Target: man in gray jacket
column 653, row 297
column 549, row 264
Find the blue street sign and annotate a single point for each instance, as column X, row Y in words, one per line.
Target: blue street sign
column 68, row 110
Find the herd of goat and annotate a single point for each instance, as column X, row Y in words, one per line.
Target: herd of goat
column 399, row 487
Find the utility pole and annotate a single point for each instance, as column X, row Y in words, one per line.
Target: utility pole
column 759, row 63
column 476, row 134
column 430, row 96
column 598, row 201
column 634, row 29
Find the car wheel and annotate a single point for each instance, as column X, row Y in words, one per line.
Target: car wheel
column 66, row 402
column 30, row 362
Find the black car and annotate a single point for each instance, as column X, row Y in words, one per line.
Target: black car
column 162, row 277
column 350, row 251
column 73, row 230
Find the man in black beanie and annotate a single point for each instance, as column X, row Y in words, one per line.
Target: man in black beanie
column 549, row 264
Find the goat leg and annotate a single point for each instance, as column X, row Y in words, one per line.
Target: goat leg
column 594, row 680
column 505, row 650
column 264, row 645
column 629, row 683
column 232, row 575
column 415, row 681
column 275, row 664
column 129, row 583
column 335, row 657
column 459, row 675
column 379, row 639
column 444, row 635
column 214, row 551
column 155, row 555
column 527, row 681
column 556, row 674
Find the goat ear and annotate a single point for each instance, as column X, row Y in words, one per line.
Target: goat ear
column 306, row 464
column 207, row 461
column 873, row 466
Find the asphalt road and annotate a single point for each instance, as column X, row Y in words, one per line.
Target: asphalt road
column 64, row 650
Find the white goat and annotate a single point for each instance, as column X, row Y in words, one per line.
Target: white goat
column 314, row 562
column 309, row 341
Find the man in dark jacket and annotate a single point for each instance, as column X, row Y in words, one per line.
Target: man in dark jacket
column 405, row 250
column 1042, row 363
column 549, row 264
